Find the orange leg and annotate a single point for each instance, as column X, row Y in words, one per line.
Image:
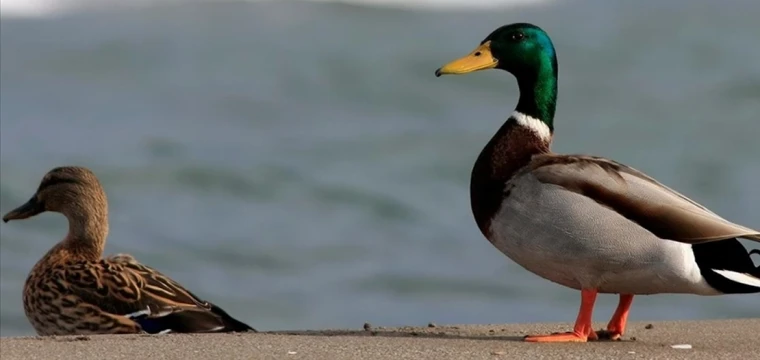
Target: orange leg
column 616, row 327
column 582, row 330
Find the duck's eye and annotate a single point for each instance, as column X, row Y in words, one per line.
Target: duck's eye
column 517, row 36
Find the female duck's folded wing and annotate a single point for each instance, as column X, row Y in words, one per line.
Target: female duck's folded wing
column 122, row 286
column 638, row 197
column 187, row 320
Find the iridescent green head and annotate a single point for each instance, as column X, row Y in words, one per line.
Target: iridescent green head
column 526, row 51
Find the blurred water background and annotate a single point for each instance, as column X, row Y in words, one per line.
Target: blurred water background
column 298, row 163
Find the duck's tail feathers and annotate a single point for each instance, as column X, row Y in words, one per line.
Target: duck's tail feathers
column 751, row 280
column 757, row 268
column 187, row 320
column 727, row 266
column 230, row 323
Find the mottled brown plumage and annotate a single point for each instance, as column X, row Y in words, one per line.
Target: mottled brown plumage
column 72, row 290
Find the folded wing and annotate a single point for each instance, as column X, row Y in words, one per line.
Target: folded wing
column 122, row 286
column 638, row 197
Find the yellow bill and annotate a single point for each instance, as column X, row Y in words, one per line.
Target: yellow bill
column 478, row 59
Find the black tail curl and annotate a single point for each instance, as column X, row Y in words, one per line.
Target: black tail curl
column 728, row 255
column 756, row 252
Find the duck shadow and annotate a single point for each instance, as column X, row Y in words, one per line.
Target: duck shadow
column 428, row 333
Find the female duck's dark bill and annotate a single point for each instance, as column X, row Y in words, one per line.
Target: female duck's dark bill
column 479, row 59
column 31, row 208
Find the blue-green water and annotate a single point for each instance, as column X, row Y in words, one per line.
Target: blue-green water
column 300, row 165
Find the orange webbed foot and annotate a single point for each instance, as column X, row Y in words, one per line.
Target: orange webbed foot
column 562, row 337
column 616, row 327
column 590, row 335
column 582, row 332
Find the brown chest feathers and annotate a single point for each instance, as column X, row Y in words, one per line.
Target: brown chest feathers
column 54, row 307
column 509, row 150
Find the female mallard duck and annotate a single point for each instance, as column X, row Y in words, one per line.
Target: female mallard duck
column 586, row 222
column 72, row 290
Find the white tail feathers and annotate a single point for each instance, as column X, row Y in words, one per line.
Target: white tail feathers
column 738, row 277
column 148, row 312
column 138, row 314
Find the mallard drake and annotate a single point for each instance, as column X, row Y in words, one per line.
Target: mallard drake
column 72, row 290
column 587, row 222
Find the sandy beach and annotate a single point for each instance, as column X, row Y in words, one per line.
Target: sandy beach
column 694, row 340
